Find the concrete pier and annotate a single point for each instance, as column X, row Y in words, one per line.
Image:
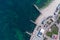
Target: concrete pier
column 36, row 7
column 28, row 33
column 32, row 21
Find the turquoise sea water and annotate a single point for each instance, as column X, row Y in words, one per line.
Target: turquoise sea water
column 15, row 16
column 43, row 3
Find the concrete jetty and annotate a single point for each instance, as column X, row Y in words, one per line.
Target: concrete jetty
column 28, row 33
column 32, row 21
column 36, row 7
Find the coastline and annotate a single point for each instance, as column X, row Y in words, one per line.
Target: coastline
column 49, row 10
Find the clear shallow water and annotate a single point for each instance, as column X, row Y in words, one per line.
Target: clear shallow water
column 43, row 3
column 15, row 16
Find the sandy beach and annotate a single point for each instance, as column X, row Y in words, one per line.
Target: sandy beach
column 49, row 10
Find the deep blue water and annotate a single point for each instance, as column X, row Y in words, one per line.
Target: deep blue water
column 16, row 14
